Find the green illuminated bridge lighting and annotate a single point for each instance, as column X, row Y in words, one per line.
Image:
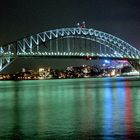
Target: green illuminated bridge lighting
column 70, row 42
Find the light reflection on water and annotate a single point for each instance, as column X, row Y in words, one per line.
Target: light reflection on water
column 101, row 108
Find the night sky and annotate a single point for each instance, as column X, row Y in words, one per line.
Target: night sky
column 118, row 17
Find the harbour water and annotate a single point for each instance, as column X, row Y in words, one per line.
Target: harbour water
column 70, row 109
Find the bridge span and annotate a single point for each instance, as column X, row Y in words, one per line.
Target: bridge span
column 70, row 43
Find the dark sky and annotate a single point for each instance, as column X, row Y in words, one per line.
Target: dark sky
column 21, row 18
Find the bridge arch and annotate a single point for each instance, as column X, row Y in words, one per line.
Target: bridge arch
column 30, row 46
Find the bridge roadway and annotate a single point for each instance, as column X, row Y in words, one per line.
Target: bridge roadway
column 70, row 43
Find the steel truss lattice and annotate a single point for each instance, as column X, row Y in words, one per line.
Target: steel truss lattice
column 29, row 46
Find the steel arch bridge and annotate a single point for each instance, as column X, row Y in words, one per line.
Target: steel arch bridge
column 69, row 42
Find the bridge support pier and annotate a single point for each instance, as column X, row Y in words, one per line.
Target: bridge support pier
column 135, row 64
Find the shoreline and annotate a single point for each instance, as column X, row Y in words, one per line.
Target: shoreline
column 93, row 77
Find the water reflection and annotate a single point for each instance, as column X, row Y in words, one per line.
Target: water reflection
column 70, row 109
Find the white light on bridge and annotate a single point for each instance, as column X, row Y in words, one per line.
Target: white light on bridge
column 107, row 61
